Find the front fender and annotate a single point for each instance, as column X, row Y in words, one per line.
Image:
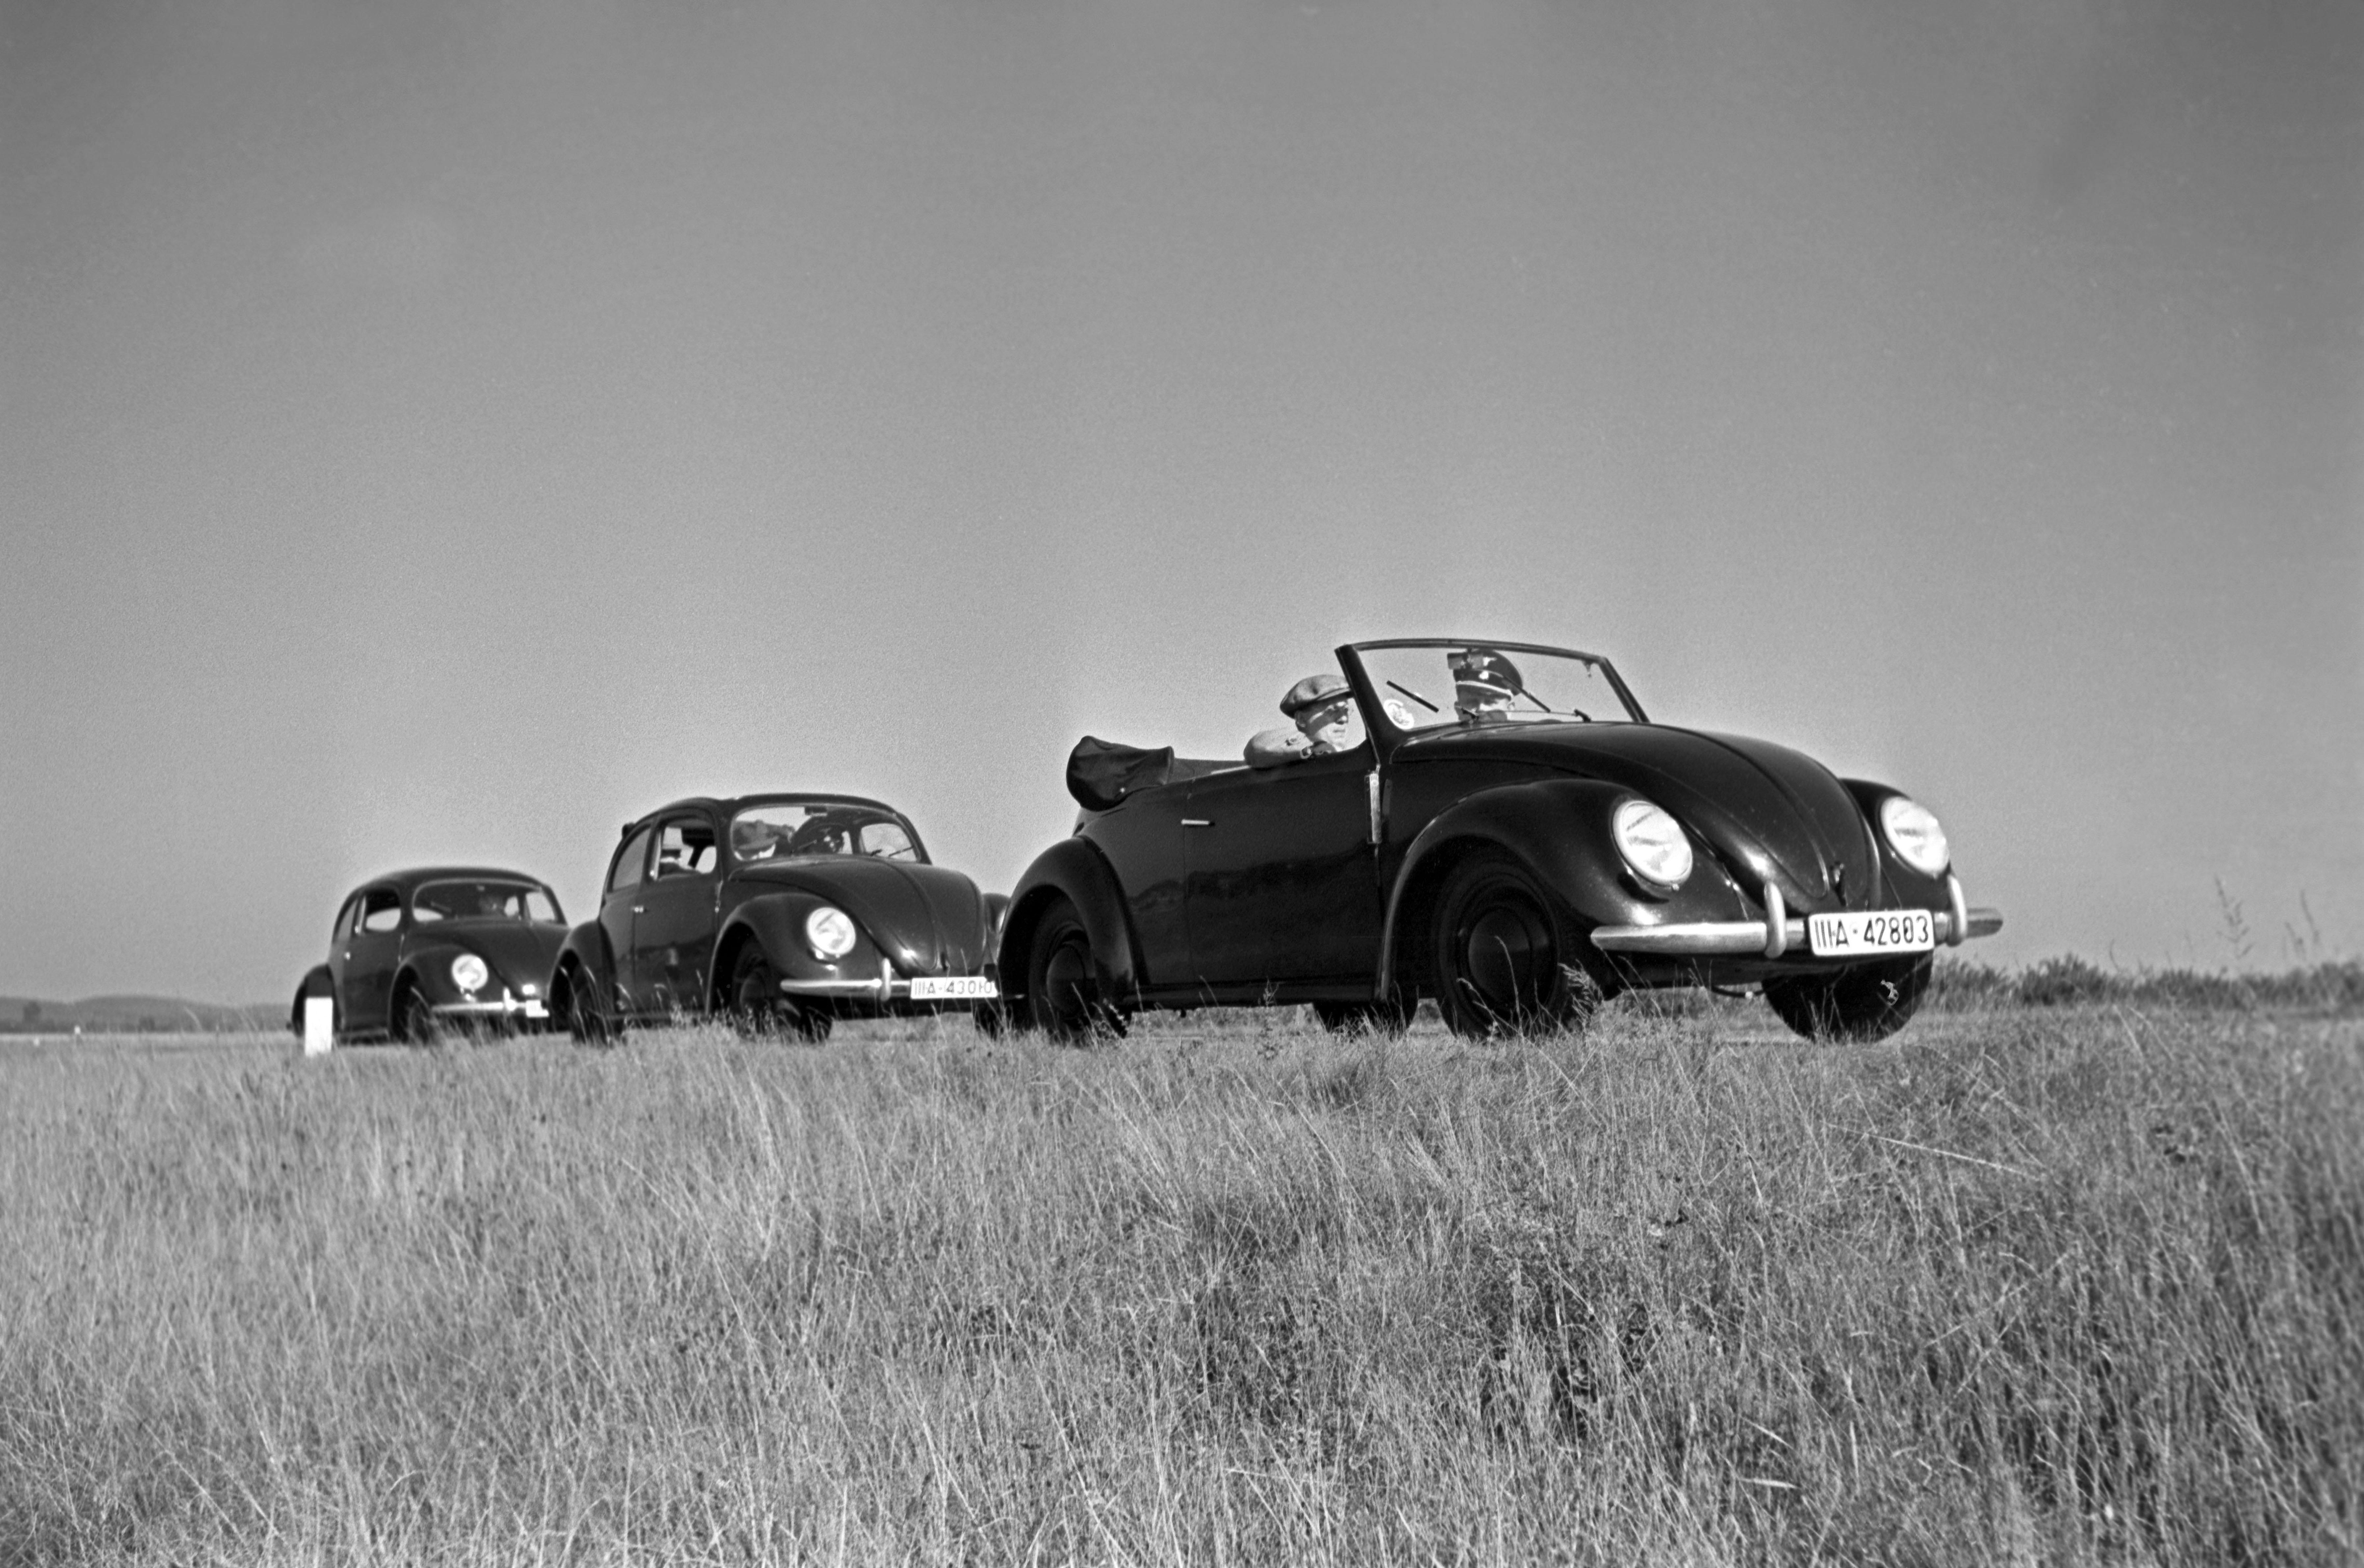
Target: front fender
column 775, row 922
column 1560, row 829
column 429, row 967
column 1075, row 870
column 1905, row 886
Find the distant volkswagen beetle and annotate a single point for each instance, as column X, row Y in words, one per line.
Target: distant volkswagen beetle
column 417, row 951
column 779, row 912
column 1494, row 825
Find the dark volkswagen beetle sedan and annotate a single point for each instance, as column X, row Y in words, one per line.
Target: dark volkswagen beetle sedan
column 1494, row 825
column 419, row 950
column 781, row 912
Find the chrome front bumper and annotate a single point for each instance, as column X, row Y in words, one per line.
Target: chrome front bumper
column 508, row 1008
column 1778, row 934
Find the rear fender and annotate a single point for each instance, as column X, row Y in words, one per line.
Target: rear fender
column 1075, row 870
column 1561, row 830
column 318, row 982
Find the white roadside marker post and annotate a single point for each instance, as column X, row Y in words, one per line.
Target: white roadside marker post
column 319, row 1025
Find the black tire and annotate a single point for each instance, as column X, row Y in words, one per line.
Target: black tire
column 756, row 1009
column 1063, row 989
column 412, row 1020
column 1503, row 951
column 1860, row 1003
column 1391, row 1016
column 586, row 1020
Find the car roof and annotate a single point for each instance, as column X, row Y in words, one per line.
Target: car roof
column 725, row 805
column 412, row 876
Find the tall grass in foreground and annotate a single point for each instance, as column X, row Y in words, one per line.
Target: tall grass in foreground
column 2018, row 1286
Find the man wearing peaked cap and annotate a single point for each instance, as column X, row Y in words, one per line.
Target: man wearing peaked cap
column 1484, row 682
column 1320, row 707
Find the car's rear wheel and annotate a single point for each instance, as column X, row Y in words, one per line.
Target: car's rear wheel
column 1062, row 981
column 1391, row 1016
column 1503, row 951
column 758, row 1010
column 1862, row 1002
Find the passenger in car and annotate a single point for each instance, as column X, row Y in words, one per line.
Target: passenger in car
column 1322, row 711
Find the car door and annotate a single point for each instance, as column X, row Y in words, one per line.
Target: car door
column 674, row 919
column 1142, row 840
column 1282, row 882
column 619, row 903
column 362, row 961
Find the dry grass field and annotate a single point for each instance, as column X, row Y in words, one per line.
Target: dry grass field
column 2063, row 1284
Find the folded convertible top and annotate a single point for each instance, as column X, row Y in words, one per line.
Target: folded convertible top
column 1101, row 772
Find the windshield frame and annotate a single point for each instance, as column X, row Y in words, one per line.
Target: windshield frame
column 1375, row 716
column 730, row 814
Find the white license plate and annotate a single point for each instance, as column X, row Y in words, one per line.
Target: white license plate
column 534, row 1009
column 953, row 988
column 1870, row 931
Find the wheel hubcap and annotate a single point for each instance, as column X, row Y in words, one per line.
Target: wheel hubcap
column 1506, row 957
column 1065, row 976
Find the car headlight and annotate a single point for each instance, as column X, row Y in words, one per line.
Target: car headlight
column 1655, row 846
column 469, row 973
column 1914, row 835
column 830, row 931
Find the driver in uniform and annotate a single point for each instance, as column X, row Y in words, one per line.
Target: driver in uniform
column 1483, row 685
column 1321, row 709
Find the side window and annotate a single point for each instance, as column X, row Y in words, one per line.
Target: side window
column 626, row 871
column 686, row 847
column 345, row 913
column 381, row 909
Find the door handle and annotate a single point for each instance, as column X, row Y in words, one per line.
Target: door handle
column 1197, row 822
column 637, row 909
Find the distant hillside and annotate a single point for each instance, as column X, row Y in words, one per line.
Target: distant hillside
column 133, row 1015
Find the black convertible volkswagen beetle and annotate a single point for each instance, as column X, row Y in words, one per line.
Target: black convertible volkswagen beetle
column 780, row 912
column 1494, row 825
column 416, row 951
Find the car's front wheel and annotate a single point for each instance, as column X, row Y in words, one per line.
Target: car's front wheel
column 757, row 1008
column 1504, row 950
column 1862, row 1002
column 414, row 1020
column 1063, row 987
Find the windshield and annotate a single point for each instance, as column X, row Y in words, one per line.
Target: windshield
column 1476, row 685
column 483, row 898
column 778, row 829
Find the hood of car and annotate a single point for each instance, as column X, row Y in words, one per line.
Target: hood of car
column 1766, row 809
column 929, row 920
column 520, row 953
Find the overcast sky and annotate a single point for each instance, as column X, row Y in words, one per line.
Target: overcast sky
column 440, row 431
